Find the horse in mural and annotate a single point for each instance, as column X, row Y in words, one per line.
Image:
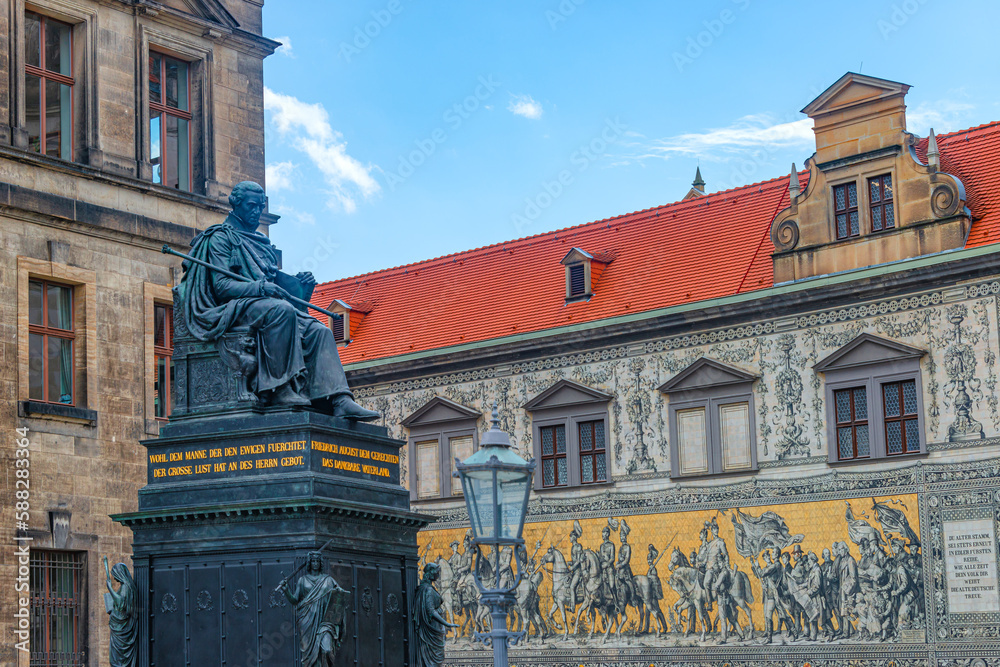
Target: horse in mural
column 460, row 597
column 448, row 587
column 525, row 611
column 647, row 602
column 693, row 599
column 563, row 599
column 742, row 596
column 595, row 596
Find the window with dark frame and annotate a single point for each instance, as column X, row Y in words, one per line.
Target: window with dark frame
column 845, row 200
column 163, row 352
column 48, row 79
column 577, row 281
column 554, row 464
column 170, row 121
column 593, row 454
column 902, row 423
column 853, row 440
column 56, row 585
column 883, row 216
column 51, row 340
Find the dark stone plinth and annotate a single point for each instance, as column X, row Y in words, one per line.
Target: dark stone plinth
column 211, row 545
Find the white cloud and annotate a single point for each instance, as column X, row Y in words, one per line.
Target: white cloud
column 524, row 105
column 291, row 214
column 278, row 176
column 286, row 46
column 307, row 126
column 943, row 116
column 749, row 132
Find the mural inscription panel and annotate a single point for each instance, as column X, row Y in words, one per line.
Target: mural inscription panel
column 971, row 565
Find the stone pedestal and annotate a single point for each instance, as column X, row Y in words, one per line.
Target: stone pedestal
column 233, row 505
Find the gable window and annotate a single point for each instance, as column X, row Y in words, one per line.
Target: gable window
column 48, row 79
column 440, row 432
column 873, row 396
column 845, row 203
column 569, row 435
column 170, row 121
column 51, row 338
column 163, row 351
column 711, row 420
column 880, row 202
column 57, row 585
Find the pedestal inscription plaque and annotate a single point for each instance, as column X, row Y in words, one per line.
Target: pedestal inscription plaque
column 971, row 566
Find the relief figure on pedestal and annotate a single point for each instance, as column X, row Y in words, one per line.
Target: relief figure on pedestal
column 123, row 620
column 320, row 610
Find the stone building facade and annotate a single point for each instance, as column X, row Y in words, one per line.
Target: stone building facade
column 123, row 125
column 766, row 420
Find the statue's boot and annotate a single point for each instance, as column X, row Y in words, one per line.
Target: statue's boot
column 286, row 396
column 346, row 408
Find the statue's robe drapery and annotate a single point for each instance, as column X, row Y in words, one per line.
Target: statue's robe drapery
column 123, row 620
column 289, row 341
column 429, row 629
column 319, row 617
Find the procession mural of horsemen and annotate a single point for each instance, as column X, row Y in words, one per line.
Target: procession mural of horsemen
column 852, row 574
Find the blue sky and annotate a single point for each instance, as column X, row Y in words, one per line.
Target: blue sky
column 400, row 130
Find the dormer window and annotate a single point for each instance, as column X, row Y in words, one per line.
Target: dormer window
column 582, row 273
column 845, row 201
column 880, row 203
column 345, row 327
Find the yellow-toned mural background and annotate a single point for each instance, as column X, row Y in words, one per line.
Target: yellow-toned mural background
column 821, row 524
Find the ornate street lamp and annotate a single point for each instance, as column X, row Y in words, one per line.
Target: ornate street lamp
column 496, row 482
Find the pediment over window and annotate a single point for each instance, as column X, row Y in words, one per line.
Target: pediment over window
column 867, row 349
column 208, row 10
column 566, row 392
column 439, row 410
column 706, row 373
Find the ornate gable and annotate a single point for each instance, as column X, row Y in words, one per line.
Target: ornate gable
column 705, row 373
column 566, row 392
column 211, row 11
column 438, row 410
column 869, row 199
column 867, row 349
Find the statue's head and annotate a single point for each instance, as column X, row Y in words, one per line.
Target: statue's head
column 315, row 561
column 431, row 572
column 826, row 554
column 247, row 200
column 121, row 574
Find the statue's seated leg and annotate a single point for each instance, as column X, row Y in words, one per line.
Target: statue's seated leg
column 327, row 384
column 279, row 356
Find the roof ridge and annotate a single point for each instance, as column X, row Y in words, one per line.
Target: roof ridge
column 634, row 216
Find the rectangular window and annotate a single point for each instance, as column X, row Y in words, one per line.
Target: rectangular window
column 852, row 423
column 170, row 121
column 339, row 330
column 56, row 588
column 428, row 469
column 593, row 454
column 577, row 282
column 880, row 202
column 734, row 427
column 163, row 351
column 50, row 342
column 461, row 449
column 902, row 428
column 845, row 199
column 554, row 465
column 692, row 437
column 48, row 79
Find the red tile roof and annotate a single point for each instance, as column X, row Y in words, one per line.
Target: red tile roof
column 709, row 247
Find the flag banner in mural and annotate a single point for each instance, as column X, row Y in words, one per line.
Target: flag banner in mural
column 821, row 572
